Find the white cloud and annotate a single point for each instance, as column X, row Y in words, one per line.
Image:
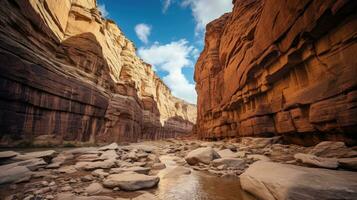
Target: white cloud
column 143, row 32
column 166, row 5
column 205, row 11
column 171, row 58
column 103, row 10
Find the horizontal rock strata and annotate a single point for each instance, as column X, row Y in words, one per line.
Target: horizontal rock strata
column 274, row 67
column 69, row 73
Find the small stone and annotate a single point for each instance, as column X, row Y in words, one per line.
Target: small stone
column 52, row 183
column 72, row 180
column 94, row 188
column 158, row 166
column 66, row 188
column 87, row 178
column 100, row 173
column 44, row 183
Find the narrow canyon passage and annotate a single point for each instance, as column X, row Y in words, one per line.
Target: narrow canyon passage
column 184, row 100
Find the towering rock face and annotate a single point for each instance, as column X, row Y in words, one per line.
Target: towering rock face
column 67, row 72
column 274, row 67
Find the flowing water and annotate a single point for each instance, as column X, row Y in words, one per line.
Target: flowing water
column 197, row 185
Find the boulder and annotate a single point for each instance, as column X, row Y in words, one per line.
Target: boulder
column 100, row 173
column 201, row 155
column 348, row 163
column 14, row 174
column 59, row 160
column 275, row 181
column 32, row 164
column 131, row 181
column 112, row 146
column 331, row 149
column 236, row 163
column 330, row 163
column 158, row 166
column 8, row 154
column 227, row 153
column 145, row 148
column 94, row 188
column 109, row 154
column 46, row 155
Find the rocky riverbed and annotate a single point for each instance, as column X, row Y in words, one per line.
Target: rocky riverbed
column 251, row 168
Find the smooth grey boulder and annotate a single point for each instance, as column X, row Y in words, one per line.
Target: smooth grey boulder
column 14, row 174
column 227, row 153
column 46, row 155
column 131, row 181
column 201, row 155
column 275, row 181
column 8, row 154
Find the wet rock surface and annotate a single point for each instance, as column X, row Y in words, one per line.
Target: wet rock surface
column 147, row 166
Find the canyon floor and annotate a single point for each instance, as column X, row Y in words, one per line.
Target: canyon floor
column 251, row 168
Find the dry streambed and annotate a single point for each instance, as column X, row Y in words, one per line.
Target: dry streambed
column 178, row 169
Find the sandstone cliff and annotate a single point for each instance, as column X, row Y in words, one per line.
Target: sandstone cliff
column 69, row 73
column 274, row 67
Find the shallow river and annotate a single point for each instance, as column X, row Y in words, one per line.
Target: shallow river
column 197, row 186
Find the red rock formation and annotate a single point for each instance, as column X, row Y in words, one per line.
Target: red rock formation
column 68, row 72
column 274, row 67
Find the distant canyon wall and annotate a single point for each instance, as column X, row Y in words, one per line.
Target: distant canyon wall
column 67, row 72
column 273, row 67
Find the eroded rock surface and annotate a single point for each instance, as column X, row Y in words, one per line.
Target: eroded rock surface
column 68, row 74
column 268, row 180
column 280, row 67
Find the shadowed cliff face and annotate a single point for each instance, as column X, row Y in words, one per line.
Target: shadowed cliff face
column 68, row 73
column 280, row 68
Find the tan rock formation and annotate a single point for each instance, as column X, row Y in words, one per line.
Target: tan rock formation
column 275, row 67
column 67, row 71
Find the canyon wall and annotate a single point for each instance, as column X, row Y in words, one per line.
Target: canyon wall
column 69, row 74
column 273, row 67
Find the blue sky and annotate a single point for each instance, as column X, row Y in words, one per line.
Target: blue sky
column 168, row 34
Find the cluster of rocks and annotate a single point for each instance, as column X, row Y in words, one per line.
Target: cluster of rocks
column 265, row 167
column 271, row 170
column 80, row 173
